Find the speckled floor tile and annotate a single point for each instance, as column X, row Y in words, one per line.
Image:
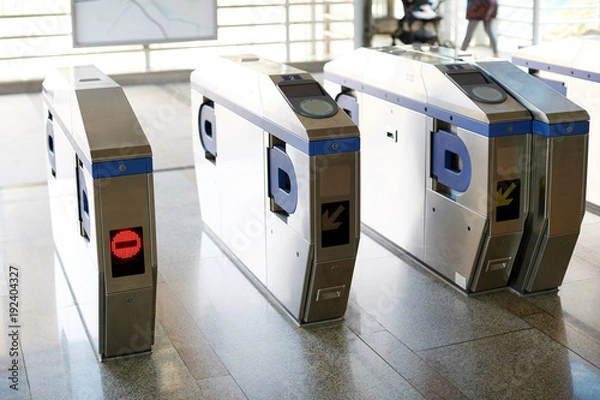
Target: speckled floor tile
column 20, row 391
column 590, row 218
column 60, row 360
column 580, row 269
column 359, row 321
column 587, row 243
column 421, row 310
column 576, row 303
column 23, row 145
column 519, row 365
column 178, row 220
column 13, row 375
column 266, row 353
column 159, row 375
column 221, row 388
column 512, row 302
column 41, row 281
column 412, row 368
column 369, row 249
column 4, row 273
column 24, row 215
column 406, row 334
column 61, row 363
column 188, row 340
column 228, row 309
column 322, row 363
column 566, row 335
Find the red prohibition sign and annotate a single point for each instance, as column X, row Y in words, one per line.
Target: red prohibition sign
column 126, row 244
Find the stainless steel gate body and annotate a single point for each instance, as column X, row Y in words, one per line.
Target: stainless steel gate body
column 277, row 168
column 445, row 160
column 571, row 66
column 101, row 194
column 558, row 178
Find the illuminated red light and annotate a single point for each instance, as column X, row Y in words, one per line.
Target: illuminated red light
column 125, row 244
column 127, row 252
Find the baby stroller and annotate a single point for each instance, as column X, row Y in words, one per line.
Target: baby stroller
column 420, row 23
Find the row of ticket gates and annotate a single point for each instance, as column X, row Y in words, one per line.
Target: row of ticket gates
column 477, row 170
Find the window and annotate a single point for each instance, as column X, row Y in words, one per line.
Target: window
column 36, row 36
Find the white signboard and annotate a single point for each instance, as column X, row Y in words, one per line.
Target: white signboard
column 113, row 22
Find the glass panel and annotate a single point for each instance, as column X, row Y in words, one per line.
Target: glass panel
column 229, row 3
column 12, row 7
column 35, row 26
column 251, row 34
column 248, row 16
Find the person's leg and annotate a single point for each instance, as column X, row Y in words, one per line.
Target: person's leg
column 489, row 29
column 469, row 35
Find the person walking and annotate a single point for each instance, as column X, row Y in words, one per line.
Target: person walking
column 481, row 10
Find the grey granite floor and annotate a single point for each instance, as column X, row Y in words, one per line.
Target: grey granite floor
column 407, row 334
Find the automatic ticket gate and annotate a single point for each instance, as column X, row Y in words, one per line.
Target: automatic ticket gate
column 572, row 66
column 557, row 182
column 277, row 168
column 542, row 177
column 100, row 186
column 445, row 158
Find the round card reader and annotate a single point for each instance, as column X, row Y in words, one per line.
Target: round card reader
column 477, row 86
column 308, row 98
column 487, row 94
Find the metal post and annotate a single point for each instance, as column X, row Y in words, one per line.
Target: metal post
column 457, row 42
column 287, row 31
column 313, row 31
column 362, row 23
column 536, row 23
column 147, row 56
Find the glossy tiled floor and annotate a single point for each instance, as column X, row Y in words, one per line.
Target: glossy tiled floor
column 407, row 334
